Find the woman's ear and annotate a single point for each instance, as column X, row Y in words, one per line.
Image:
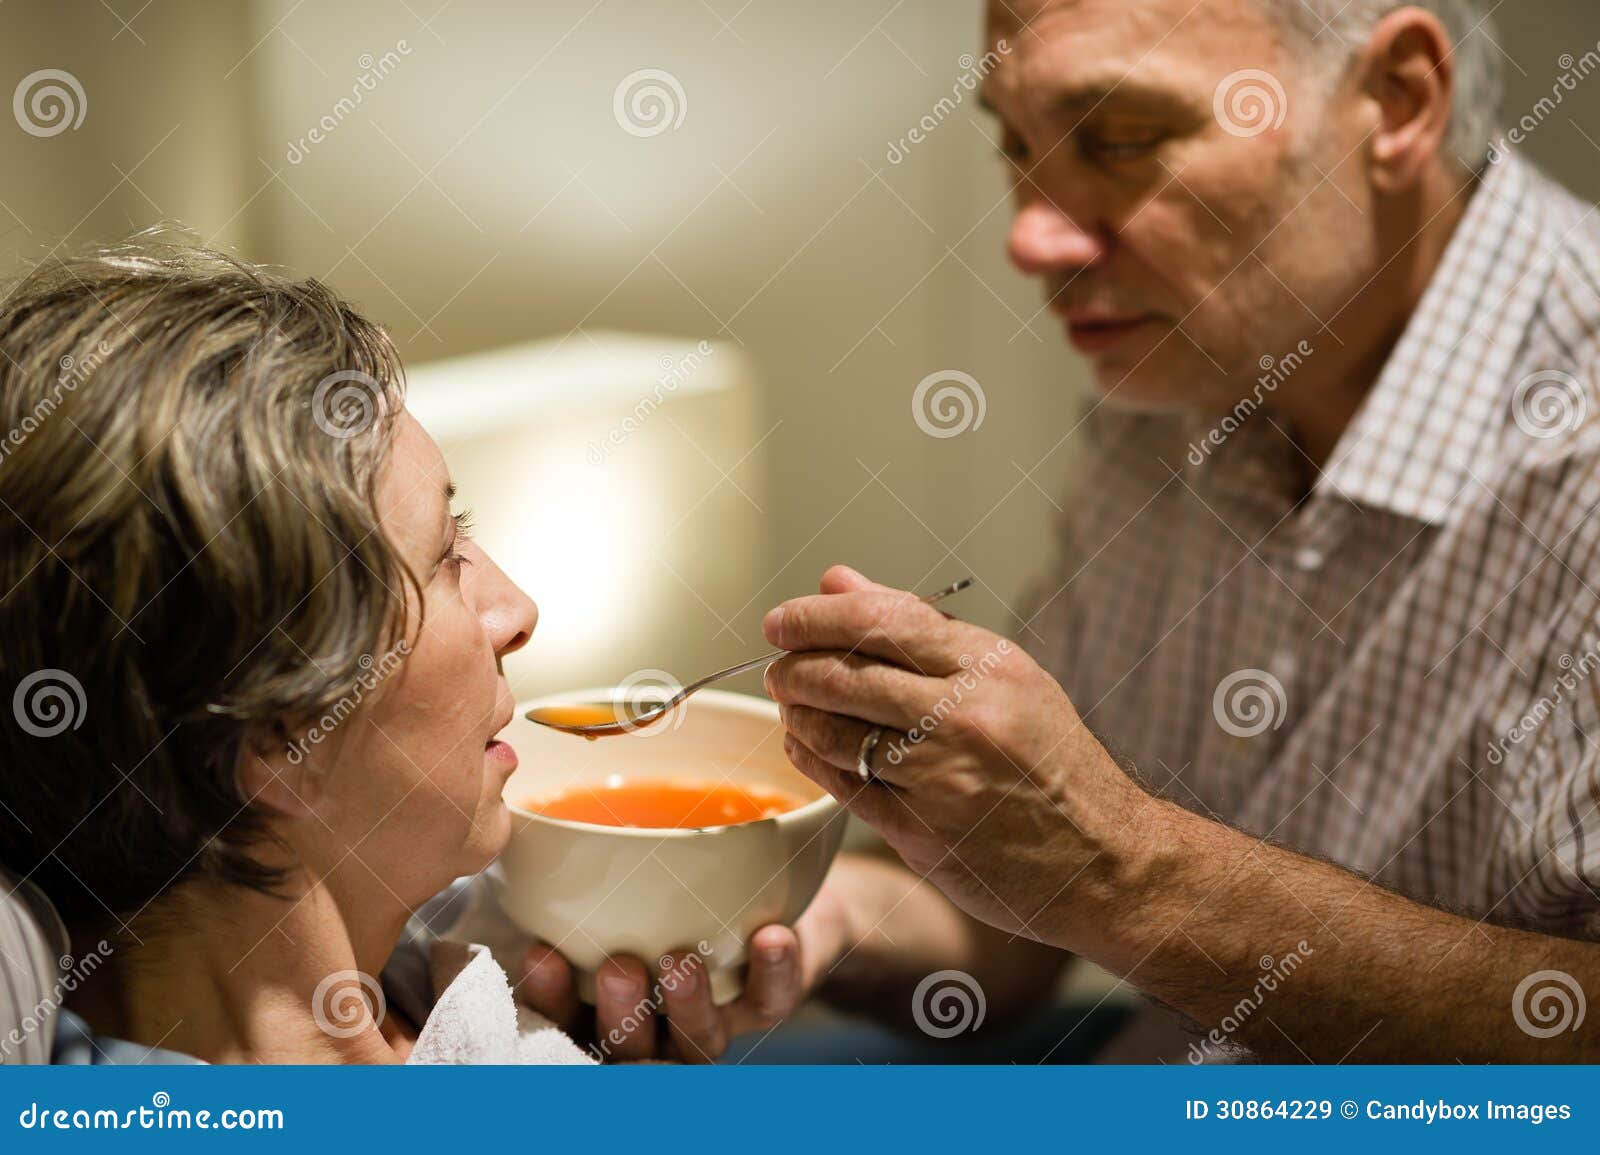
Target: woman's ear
column 278, row 774
column 1408, row 71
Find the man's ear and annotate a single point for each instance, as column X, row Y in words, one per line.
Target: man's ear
column 278, row 774
column 1408, row 71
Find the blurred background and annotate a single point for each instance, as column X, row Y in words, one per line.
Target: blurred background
column 667, row 274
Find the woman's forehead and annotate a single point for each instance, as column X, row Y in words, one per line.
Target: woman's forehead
column 415, row 483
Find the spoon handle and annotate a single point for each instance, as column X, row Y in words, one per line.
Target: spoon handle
column 728, row 673
column 953, row 588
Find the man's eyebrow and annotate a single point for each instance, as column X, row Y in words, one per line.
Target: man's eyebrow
column 1085, row 97
column 1126, row 92
column 1082, row 99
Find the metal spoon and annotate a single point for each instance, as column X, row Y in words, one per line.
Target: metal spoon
column 605, row 719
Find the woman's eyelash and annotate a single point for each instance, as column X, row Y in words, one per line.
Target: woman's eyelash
column 463, row 533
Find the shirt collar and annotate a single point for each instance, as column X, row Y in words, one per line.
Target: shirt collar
column 1441, row 402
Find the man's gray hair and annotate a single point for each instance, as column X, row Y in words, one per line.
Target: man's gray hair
column 1337, row 29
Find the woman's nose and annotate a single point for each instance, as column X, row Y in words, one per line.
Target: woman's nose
column 508, row 614
column 1044, row 239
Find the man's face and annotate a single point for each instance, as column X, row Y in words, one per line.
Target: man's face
column 1180, row 240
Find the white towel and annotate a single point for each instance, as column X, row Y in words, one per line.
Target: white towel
column 475, row 1018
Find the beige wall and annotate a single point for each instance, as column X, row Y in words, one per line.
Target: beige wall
column 161, row 136
column 770, row 217
column 482, row 193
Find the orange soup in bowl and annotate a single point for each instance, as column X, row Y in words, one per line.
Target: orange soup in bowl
column 666, row 805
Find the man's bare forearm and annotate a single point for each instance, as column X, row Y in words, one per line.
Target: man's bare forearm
column 1299, row 960
column 906, row 929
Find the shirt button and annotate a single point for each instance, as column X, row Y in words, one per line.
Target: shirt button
column 1309, row 558
column 1282, row 665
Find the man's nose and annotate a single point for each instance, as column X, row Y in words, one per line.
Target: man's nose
column 1044, row 239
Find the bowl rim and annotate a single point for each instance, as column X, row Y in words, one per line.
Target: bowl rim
column 738, row 703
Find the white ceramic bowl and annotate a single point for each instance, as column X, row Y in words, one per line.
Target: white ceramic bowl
column 594, row 891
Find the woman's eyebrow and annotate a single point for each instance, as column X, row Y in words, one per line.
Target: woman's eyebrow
column 449, row 519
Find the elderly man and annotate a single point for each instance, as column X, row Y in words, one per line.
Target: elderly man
column 1305, row 748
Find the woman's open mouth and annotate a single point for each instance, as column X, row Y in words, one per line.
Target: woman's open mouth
column 502, row 753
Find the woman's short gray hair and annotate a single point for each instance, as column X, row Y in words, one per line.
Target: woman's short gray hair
column 190, row 543
column 1336, row 29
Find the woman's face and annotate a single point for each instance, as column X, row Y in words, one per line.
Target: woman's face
column 403, row 794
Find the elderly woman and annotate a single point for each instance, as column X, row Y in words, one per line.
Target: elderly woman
column 257, row 663
column 254, row 662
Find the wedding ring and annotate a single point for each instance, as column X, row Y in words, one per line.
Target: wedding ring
column 864, row 753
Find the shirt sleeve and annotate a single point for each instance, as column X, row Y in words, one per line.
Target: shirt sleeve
column 32, row 943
